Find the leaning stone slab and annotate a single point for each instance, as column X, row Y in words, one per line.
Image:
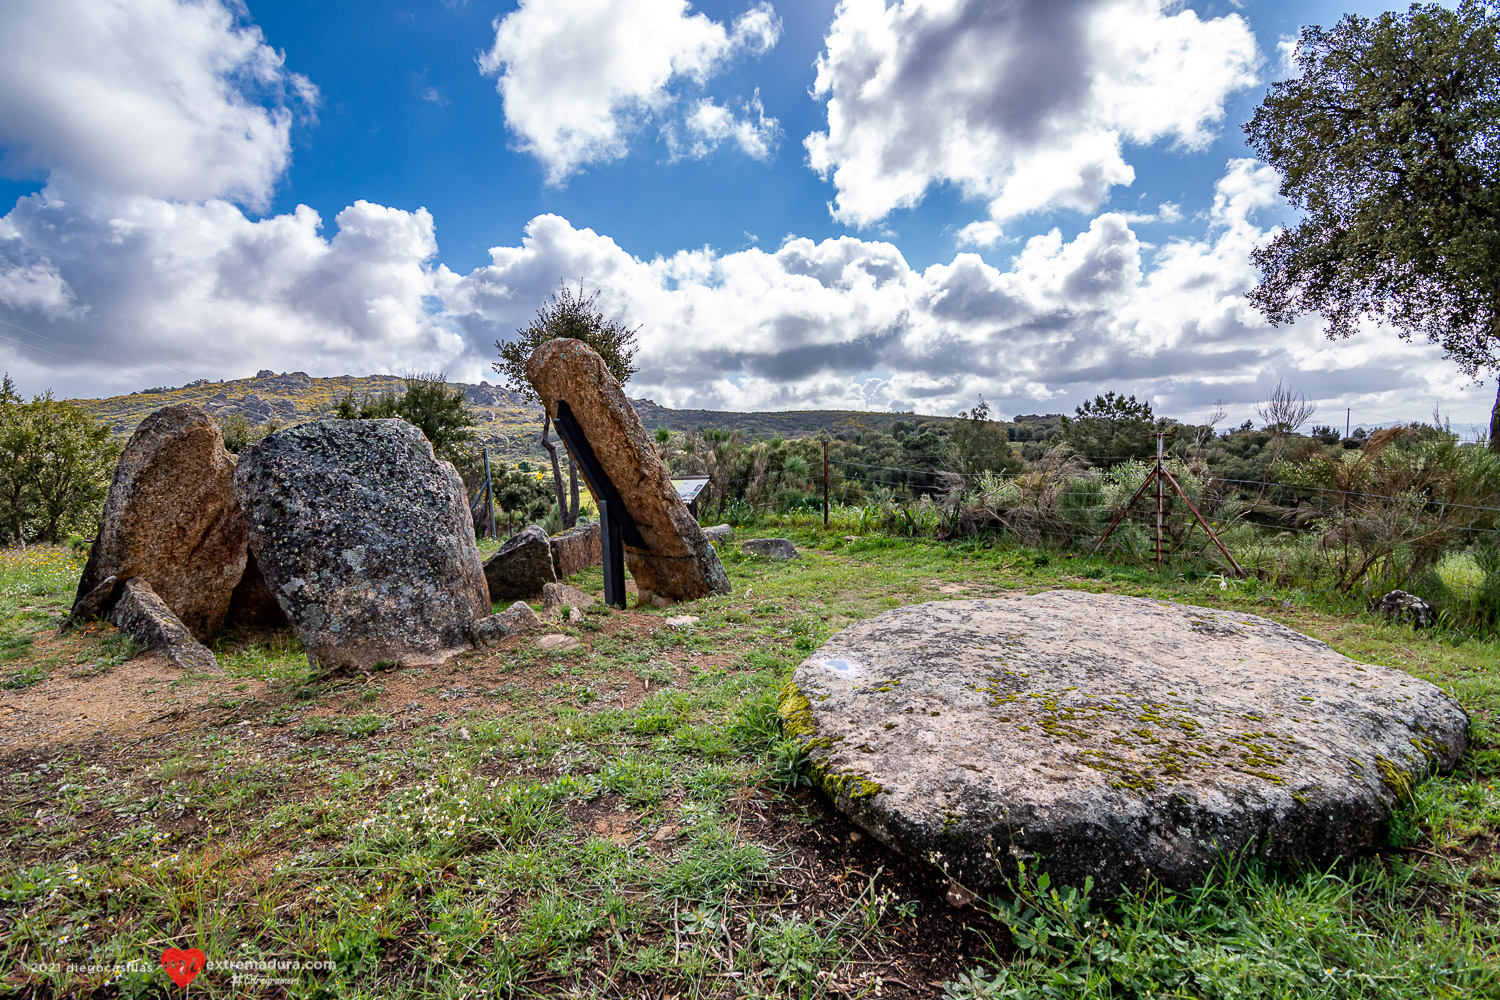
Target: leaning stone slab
column 171, row 517
column 576, row 550
column 145, row 617
column 770, row 548
column 676, row 561
column 1113, row 737
column 365, row 540
column 521, row 567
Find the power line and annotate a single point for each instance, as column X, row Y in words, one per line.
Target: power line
column 106, row 340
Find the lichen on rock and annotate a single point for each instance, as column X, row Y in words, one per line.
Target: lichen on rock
column 1111, row 736
column 365, row 540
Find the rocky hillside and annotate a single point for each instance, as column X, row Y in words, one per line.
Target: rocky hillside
column 507, row 423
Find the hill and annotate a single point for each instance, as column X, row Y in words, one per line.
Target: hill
column 508, row 423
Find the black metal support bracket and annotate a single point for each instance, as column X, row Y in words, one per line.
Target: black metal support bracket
column 616, row 526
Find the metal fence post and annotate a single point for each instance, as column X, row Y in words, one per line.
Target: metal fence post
column 825, row 485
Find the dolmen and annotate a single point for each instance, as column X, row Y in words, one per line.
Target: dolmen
column 671, row 559
column 364, row 537
column 1118, row 739
column 351, row 531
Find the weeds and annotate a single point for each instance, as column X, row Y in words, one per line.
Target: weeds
column 630, row 820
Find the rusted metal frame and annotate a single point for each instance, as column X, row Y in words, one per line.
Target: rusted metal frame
column 1121, row 516
column 1239, row 571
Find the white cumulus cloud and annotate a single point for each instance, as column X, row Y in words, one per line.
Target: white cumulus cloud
column 579, row 79
column 709, row 125
column 848, row 322
column 1025, row 105
column 204, row 288
column 175, row 100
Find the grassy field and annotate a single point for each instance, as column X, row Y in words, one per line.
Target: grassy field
column 624, row 819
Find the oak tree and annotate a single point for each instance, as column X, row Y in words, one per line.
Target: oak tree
column 1388, row 140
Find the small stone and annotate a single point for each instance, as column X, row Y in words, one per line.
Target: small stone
column 574, row 616
column 1400, row 606
column 665, row 832
column 720, row 534
column 559, row 643
column 491, row 629
column 682, row 621
column 561, row 595
column 521, row 617
column 770, row 548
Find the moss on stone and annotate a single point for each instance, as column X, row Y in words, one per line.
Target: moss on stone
column 796, row 712
column 1392, row 776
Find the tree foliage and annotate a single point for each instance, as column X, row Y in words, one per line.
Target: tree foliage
column 440, row 413
column 1110, row 429
column 1389, row 141
column 56, row 461
column 520, row 492
column 574, row 315
column 980, row 444
column 577, row 316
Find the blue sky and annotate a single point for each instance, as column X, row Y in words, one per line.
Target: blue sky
column 869, row 204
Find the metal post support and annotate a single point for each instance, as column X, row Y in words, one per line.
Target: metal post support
column 1161, row 493
column 489, row 489
column 825, row 485
column 612, row 553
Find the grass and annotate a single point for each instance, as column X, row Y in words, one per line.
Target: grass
column 625, row 819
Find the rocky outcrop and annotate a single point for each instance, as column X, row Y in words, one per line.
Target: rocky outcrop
column 1112, row 737
column 576, row 550
column 145, row 617
column 671, row 559
column 363, row 537
column 770, row 548
column 171, row 518
column 521, row 567
column 720, row 534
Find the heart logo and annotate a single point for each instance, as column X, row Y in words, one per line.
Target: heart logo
column 182, row 965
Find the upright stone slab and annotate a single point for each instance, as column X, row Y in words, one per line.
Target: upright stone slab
column 674, row 561
column 364, row 538
column 521, row 567
column 1116, row 737
column 576, row 550
column 171, row 517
